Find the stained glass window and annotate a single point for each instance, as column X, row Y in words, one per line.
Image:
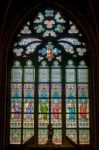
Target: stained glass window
column 50, row 82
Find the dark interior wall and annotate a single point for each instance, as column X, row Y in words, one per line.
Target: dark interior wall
column 12, row 15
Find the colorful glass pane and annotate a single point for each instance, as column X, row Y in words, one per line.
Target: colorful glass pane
column 82, row 75
column 29, row 90
column 83, row 90
column 53, row 23
column 42, row 136
column 49, row 51
column 16, row 75
column 56, row 75
column 43, row 120
column 28, row 120
column 56, row 90
column 83, row 120
column 71, row 121
column 57, row 137
column 56, row 120
column 70, row 90
column 44, row 75
column 29, row 105
column 70, row 75
column 43, row 105
column 16, row 105
column 16, row 90
column 72, row 134
column 15, row 136
column 84, row 137
column 56, row 105
column 15, row 120
column 43, row 90
column 27, row 133
column 29, row 75
column 83, row 105
column 70, row 105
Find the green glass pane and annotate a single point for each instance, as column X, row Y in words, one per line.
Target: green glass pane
column 27, row 134
column 82, row 64
column 15, row 136
column 82, row 75
column 56, row 120
column 16, row 90
column 29, row 105
column 42, row 136
column 83, row 105
column 70, row 75
column 43, row 120
column 15, row 120
column 71, row 120
column 29, row 90
column 16, row 75
column 71, row 106
column 72, row 134
column 83, row 120
column 56, row 75
column 29, row 75
column 84, row 137
column 28, row 120
column 43, row 75
column 43, row 105
column 57, row 137
column 16, row 105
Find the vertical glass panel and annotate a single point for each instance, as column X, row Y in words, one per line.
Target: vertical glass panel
column 70, row 90
column 43, row 75
column 43, row 90
column 27, row 133
column 15, row 121
column 43, row 120
column 84, row 137
column 83, row 90
column 56, row 120
column 57, row 137
column 42, row 136
column 72, row 134
column 70, row 105
column 28, row 120
column 29, row 90
column 56, row 105
column 29, row 75
column 83, row 105
column 16, row 75
column 16, row 105
column 15, row 136
column 16, row 90
column 70, row 75
column 71, row 120
column 56, row 90
column 55, row 75
column 43, row 105
column 83, row 120
column 82, row 75
column 29, row 105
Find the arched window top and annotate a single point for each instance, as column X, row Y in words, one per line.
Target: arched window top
column 50, row 34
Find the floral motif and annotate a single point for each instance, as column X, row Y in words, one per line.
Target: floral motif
column 49, row 24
